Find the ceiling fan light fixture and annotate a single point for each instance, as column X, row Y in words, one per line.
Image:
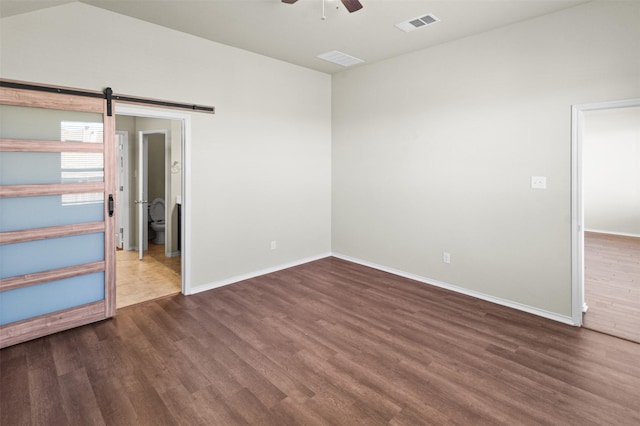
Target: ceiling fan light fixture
column 340, row 58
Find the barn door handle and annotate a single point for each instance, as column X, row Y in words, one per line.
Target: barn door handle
column 110, row 205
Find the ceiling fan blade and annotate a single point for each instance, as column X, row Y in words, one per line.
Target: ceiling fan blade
column 289, row 1
column 351, row 5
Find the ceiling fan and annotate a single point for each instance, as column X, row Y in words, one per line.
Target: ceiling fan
column 351, row 5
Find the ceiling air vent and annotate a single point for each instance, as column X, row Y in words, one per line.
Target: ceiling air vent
column 419, row 22
column 340, row 58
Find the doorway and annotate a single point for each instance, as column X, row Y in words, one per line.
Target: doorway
column 149, row 267
column 606, row 217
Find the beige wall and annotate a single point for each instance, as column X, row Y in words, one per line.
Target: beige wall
column 433, row 151
column 176, row 182
column 260, row 167
column 611, row 171
column 156, row 166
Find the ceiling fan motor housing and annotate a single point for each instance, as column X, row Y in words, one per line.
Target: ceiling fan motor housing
column 350, row 5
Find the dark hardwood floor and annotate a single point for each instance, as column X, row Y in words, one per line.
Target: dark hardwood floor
column 328, row 342
column 612, row 284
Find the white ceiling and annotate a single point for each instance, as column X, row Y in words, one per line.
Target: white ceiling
column 296, row 33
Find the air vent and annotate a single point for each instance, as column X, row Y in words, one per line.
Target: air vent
column 419, row 22
column 340, row 58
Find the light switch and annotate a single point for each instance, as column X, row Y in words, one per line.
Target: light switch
column 539, row 182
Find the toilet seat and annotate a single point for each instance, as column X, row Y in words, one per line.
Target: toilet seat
column 156, row 210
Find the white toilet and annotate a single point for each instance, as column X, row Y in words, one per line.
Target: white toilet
column 156, row 213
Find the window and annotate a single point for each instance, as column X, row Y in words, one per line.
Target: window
column 81, row 166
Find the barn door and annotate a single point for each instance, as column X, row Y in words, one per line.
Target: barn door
column 57, row 233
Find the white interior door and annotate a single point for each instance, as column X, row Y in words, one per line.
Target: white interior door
column 142, row 201
column 122, row 204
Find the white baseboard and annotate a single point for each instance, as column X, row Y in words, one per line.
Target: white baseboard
column 622, row 234
column 242, row 277
column 508, row 303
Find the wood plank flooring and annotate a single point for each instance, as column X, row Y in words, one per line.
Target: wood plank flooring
column 325, row 343
column 150, row 278
column 612, row 285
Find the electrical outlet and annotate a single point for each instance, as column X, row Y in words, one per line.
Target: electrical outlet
column 446, row 257
column 274, row 245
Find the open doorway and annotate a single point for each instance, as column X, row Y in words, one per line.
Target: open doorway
column 607, row 171
column 150, row 263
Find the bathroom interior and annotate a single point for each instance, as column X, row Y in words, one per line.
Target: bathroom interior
column 148, row 268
